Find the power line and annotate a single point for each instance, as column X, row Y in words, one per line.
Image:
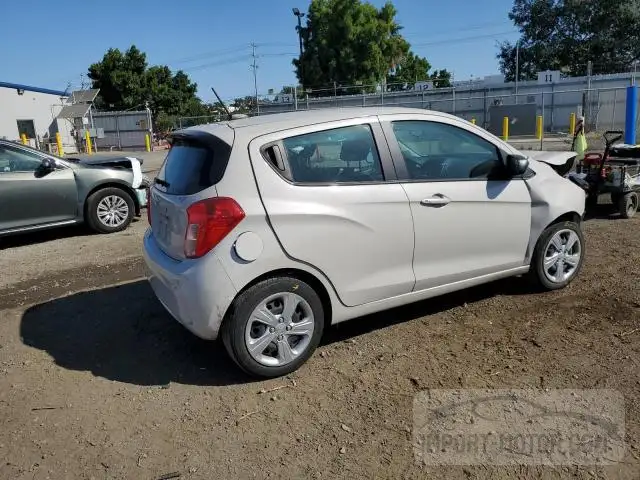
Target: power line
column 478, row 26
column 204, row 66
column 461, row 40
column 214, row 53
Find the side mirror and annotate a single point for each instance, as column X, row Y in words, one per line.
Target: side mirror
column 48, row 164
column 517, row 164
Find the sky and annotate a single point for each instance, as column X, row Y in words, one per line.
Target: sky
column 210, row 39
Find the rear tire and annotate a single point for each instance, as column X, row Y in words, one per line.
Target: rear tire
column 273, row 327
column 109, row 210
column 558, row 256
column 628, row 204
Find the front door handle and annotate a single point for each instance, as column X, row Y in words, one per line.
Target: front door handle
column 437, row 200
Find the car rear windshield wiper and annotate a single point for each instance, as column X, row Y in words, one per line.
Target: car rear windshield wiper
column 159, row 181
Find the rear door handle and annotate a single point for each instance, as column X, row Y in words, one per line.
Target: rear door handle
column 437, row 200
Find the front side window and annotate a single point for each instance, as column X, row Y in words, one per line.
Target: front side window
column 339, row 155
column 18, row 160
column 438, row 151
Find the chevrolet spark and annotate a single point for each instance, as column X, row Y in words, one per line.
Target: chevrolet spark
column 266, row 230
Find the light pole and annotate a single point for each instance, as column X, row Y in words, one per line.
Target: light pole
column 299, row 14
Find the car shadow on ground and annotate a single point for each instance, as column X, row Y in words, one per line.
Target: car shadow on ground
column 42, row 236
column 53, row 234
column 123, row 333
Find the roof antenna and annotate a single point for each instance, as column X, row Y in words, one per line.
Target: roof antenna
column 222, row 103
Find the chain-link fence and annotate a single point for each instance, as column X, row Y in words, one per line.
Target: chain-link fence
column 601, row 100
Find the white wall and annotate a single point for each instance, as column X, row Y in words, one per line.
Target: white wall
column 42, row 108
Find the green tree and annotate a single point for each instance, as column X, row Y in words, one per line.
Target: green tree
column 566, row 34
column 119, row 76
column 127, row 82
column 244, row 105
column 349, row 42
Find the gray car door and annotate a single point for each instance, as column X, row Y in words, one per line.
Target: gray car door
column 31, row 197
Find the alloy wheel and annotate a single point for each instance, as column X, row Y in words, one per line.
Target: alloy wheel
column 562, row 256
column 280, row 329
column 112, row 211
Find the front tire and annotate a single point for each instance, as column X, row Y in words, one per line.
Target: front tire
column 274, row 327
column 558, row 256
column 109, row 210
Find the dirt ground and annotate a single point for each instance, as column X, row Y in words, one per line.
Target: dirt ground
column 97, row 381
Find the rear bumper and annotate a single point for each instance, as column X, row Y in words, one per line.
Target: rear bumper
column 197, row 293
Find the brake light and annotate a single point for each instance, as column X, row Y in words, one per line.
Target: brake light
column 209, row 221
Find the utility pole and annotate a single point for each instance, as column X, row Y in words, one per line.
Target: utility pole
column 589, row 73
column 299, row 14
column 254, row 67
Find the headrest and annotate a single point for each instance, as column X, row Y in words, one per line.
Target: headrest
column 355, row 150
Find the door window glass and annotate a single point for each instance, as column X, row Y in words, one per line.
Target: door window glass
column 340, row 155
column 18, row 160
column 438, row 151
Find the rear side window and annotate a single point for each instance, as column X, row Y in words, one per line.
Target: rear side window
column 340, row 155
column 193, row 165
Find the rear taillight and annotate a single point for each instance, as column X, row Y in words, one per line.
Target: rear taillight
column 209, row 221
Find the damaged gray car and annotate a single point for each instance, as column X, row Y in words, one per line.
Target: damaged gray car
column 40, row 191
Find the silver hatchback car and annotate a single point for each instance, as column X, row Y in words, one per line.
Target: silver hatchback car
column 266, row 230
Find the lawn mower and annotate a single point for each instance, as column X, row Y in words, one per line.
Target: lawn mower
column 616, row 171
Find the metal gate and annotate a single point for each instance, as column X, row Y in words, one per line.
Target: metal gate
column 122, row 130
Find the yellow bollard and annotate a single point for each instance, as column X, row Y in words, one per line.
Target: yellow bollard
column 147, row 142
column 473, row 120
column 572, row 123
column 23, row 137
column 87, row 138
column 505, row 128
column 539, row 127
column 59, row 143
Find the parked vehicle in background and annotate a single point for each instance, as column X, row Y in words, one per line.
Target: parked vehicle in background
column 265, row 230
column 40, row 191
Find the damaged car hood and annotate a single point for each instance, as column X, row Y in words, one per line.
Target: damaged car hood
column 118, row 163
column 551, row 158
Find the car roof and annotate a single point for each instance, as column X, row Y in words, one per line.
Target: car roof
column 264, row 124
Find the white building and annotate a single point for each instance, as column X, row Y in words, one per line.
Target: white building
column 33, row 111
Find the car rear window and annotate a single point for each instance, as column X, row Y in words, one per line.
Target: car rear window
column 193, row 165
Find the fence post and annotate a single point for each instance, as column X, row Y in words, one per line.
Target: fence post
column 505, row 128
column 572, row 123
column 59, row 143
column 485, row 112
column 87, row 139
column 553, row 107
column 613, row 113
column 539, row 127
column 295, row 98
column 631, row 115
column 23, row 137
column 542, row 130
column 118, row 132
column 453, row 94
